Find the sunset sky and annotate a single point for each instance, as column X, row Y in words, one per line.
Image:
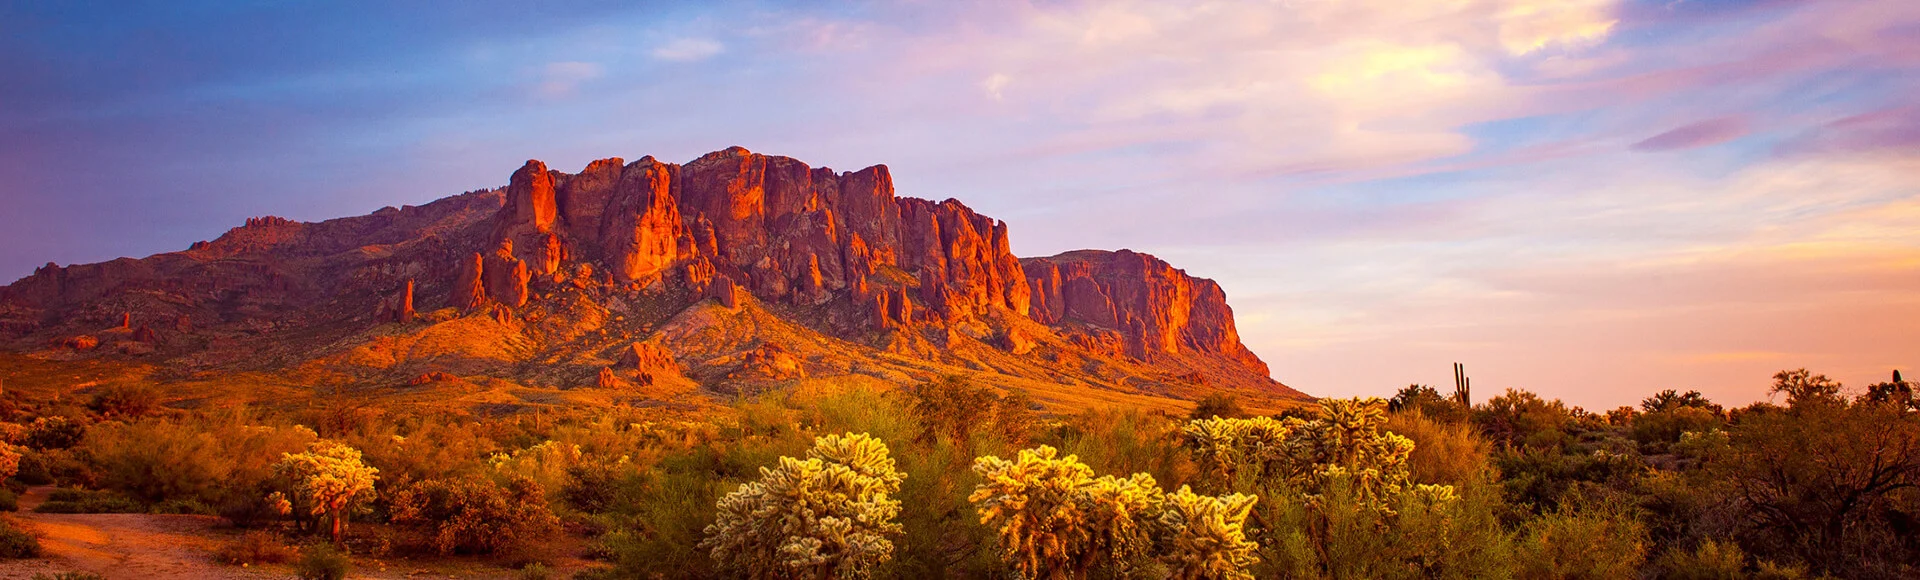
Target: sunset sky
column 1590, row 199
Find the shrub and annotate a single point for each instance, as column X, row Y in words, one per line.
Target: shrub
column 474, row 516
column 1657, row 431
column 55, row 432
column 535, row 571
column 208, row 460
column 322, row 562
column 1221, row 405
column 255, row 548
column 1585, row 539
column 125, row 401
column 183, row 506
column 1443, row 453
column 1713, row 560
column 953, row 407
column 16, row 543
column 9, row 501
column 80, row 501
column 829, row 515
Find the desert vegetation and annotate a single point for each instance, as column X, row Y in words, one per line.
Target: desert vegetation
column 949, row 479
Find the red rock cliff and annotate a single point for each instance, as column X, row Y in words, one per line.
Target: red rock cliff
column 1158, row 309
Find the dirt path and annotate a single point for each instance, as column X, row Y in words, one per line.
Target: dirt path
column 130, row 546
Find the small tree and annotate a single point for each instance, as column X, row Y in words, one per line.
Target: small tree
column 327, row 481
column 827, row 516
column 1803, row 387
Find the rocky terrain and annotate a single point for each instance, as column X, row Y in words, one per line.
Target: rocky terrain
column 654, row 281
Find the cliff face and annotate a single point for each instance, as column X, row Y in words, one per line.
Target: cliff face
column 575, row 267
column 1134, row 304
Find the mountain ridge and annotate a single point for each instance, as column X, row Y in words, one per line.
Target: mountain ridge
column 766, row 270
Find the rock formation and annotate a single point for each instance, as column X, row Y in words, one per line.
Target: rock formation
column 564, row 260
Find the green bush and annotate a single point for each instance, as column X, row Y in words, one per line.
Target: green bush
column 17, row 543
column 322, row 562
column 1583, row 539
column 1221, row 405
column 80, row 501
column 9, row 501
column 212, row 460
column 474, row 516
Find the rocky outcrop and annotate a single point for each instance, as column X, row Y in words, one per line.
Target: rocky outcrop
column 554, row 256
column 769, row 362
column 1157, row 309
column 400, row 308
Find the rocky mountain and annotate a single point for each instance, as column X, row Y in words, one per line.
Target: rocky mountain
column 732, row 273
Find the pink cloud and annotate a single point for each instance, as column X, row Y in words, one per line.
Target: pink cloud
column 1887, row 130
column 1700, row 134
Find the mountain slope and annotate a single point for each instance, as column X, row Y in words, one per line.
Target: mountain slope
column 729, row 274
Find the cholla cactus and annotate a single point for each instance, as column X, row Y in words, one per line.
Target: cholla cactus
column 326, row 481
column 1056, row 520
column 1346, row 443
column 827, row 516
column 1206, row 536
column 1225, row 446
column 9, row 460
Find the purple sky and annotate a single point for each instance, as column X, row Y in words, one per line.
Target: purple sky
column 1591, row 199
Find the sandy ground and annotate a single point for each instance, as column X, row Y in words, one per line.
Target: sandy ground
column 131, row 546
column 167, row 547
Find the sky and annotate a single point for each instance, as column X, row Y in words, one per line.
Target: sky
column 1589, row 199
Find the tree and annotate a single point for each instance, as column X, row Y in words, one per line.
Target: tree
column 326, row 482
column 1669, row 399
column 1896, row 393
column 1803, row 387
column 827, row 516
column 1831, row 482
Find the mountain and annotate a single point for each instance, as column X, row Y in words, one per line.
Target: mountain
column 648, row 282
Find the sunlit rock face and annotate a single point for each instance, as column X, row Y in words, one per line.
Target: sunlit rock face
column 584, row 265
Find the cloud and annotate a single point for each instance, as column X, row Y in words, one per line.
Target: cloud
column 686, row 49
column 1886, row 130
column 1531, row 25
column 561, row 79
column 1700, row 134
column 995, row 85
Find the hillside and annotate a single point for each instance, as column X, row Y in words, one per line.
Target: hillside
column 646, row 283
